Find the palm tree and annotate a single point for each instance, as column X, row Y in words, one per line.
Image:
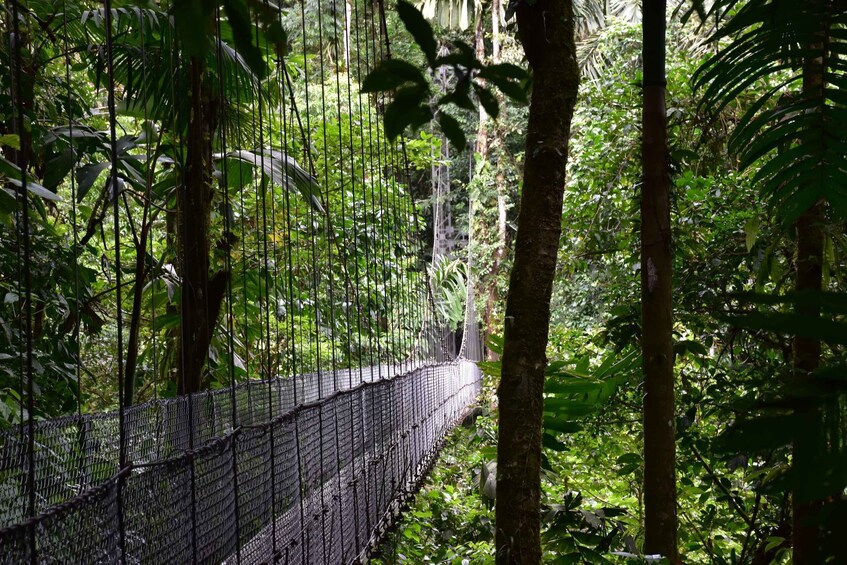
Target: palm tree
column 149, row 69
column 792, row 137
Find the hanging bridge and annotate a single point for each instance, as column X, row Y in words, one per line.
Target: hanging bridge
column 229, row 332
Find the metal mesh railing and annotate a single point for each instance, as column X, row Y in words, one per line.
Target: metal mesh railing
column 289, row 488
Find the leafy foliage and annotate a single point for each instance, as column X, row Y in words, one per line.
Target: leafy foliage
column 413, row 104
column 734, row 269
column 275, row 178
column 801, row 132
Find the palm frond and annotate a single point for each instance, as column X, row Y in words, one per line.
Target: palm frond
column 797, row 137
column 147, row 65
column 282, row 170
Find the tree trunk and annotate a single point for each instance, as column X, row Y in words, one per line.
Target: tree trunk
column 481, row 144
column 489, row 316
column 132, row 345
column 546, row 30
column 199, row 300
column 348, row 12
column 495, row 31
column 23, row 156
column 660, row 521
column 807, row 353
column 481, row 156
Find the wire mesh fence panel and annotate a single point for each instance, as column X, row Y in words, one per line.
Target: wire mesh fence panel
column 214, row 502
column 253, row 482
column 159, row 517
column 82, row 530
column 322, row 493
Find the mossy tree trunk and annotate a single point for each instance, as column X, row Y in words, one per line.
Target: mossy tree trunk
column 546, row 30
column 201, row 294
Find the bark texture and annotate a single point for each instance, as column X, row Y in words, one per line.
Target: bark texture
column 201, row 294
column 808, row 444
column 807, row 353
column 546, row 30
column 660, row 520
column 132, row 347
column 490, row 139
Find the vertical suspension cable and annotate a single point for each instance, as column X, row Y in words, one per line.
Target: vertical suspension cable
column 19, row 268
column 151, row 171
column 239, row 136
column 314, row 284
column 258, row 129
column 26, row 361
column 378, row 451
column 369, row 280
column 393, row 300
column 264, row 185
column 273, row 377
column 420, row 301
column 408, row 210
column 327, row 221
column 353, row 178
column 394, row 291
column 344, row 265
column 378, row 209
column 115, row 195
column 391, row 462
column 75, row 253
column 228, row 213
column 185, row 320
column 173, row 365
column 397, row 312
column 291, row 301
column 348, row 300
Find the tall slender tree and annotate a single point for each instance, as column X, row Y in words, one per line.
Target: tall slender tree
column 797, row 130
column 656, row 301
column 546, row 30
column 809, row 230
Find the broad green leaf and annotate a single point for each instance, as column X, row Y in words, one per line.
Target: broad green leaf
column 13, row 176
column 10, row 140
column 452, row 130
column 57, row 169
column 495, row 343
column 85, row 177
column 242, row 30
column 490, row 368
column 393, row 73
column 794, row 324
column 689, row 346
column 419, row 28
column 488, row 101
column 190, row 18
column 505, row 70
column 551, row 442
column 571, row 386
column 751, row 232
column 554, row 424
